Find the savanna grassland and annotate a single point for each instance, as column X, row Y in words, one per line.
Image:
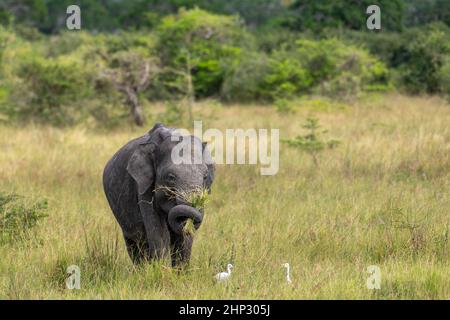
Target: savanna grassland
column 380, row 198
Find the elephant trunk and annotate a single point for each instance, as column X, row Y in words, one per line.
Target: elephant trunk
column 179, row 214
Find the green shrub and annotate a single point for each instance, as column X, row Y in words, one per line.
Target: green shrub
column 67, row 79
column 271, row 77
column 18, row 217
column 285, row 106
column 444, row 76
column 287, row 77
column 416, row 57
column 319, row 15
column 243, row 79
column 4, row 36
column 329, row 67
column 312, row 142
column 69, row 42
column 52, row 91
column 320, row 57
column 387, row 46
column 199, row 45
column 271, row 39
column 346, row 86
column 341, row 69
column 28, row 33
column 146, row 43
column 425, row 52
column 3, row 44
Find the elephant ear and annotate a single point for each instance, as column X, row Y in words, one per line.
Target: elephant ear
column 210, row 165
column 141, row 165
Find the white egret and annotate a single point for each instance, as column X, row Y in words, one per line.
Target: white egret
column 222, row 276
column 288, row 275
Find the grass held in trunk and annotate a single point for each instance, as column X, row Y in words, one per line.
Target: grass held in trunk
column 189, row 227
column 197, row 198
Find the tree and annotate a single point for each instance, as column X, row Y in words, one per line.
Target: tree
column 194, row 46
column 312, row 142
column 28, row 12
column 420, row 12
column 322, row 14
column 425, row 53
column 132, row 73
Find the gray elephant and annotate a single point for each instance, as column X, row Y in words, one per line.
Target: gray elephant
column 136, row 181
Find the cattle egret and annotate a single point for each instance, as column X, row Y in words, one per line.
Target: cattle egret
column 288, row 275
column 222, row 276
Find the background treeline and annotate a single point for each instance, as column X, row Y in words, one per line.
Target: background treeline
column 130, row 53
column 48, row 16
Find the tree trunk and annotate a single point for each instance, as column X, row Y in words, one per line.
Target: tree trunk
column 190, row 87
column 135, row 107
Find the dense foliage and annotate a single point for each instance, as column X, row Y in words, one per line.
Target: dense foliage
column 49, row 15
column 318, row 15
column 137, row 51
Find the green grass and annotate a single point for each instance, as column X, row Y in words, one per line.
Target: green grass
column 380, row 198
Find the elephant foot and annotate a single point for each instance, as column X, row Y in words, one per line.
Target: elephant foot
column 137, row 250
column 181, row 246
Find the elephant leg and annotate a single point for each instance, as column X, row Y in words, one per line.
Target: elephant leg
column 137, row 249
column 181, row 247
column 158, row 236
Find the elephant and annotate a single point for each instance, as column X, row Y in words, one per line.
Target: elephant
column 135, row 181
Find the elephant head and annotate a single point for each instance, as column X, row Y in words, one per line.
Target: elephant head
column 158, row 176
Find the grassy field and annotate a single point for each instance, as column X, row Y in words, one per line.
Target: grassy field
column 380, row 198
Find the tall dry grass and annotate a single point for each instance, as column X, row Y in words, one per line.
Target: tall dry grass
column 381, row 198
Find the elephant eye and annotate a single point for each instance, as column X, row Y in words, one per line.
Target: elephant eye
column 170, row 177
